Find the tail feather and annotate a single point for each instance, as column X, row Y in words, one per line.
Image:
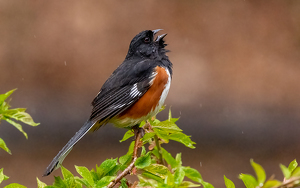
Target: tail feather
column 58, row 159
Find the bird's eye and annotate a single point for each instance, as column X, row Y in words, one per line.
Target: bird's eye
column 147, row 40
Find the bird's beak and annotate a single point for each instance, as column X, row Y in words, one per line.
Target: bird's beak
column 156, row 31
column 160, row 37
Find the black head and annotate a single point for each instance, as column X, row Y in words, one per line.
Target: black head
column 145, row 45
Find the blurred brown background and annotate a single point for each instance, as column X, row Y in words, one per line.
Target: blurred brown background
column 235, row 84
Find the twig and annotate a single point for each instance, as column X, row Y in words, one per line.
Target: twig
column 287, row 182
column 131, row 165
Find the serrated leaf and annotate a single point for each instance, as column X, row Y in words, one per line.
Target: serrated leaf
column 272, row 183
column 169, row 159
column 3, row 146
column 193, row 174
column 185, row 184
column 40, row 183
column 296, row 172
column 286, row 172
column 2, row 176
column 158, row 170
column 182, row 138
column 85, row 173
column 143, row 161
column 293, row 165
column 162, row 134
column 228, row 183
column 260, row 172
column 15, row 185
column 179, row 176
column 105, row 181
column 249, row 180
column 168, row 126
column 3, row 97
column 127, row 135
column 66, row 173
column 17, row 125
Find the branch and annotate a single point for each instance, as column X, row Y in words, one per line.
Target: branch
column 131, row 165
column 289, row 182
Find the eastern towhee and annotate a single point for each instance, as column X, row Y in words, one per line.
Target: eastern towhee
column 134, row 92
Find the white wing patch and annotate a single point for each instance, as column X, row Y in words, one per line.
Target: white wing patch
column 134, row 91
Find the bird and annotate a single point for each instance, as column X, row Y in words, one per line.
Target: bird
column 134, row 92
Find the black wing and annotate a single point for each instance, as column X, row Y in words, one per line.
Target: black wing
column 129, row 82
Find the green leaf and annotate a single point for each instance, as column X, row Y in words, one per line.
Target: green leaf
column 85, row 173
column 58, row 182
column 3, row 146
column 260, row 172
column 169, row 159
column 143, row 151
column 2, row 176
column 66, row 173
column 152, row 176
column 228, row 183
column 249, row 180
column 143, row 161
column 123, row 183
column 105, row 181
column 286, row 172
column 125, row 159
column 107, row 166
column 178, row 159
column 167, row 126
column 193, row 174
column 179, row 176
column 207, row 185
column 17, row 125
column 40, row 183
column 162, row 108
column 182, row 138
column 162, row 134
column 14, row 185
column 296, row 172
column 148, row 136
column 19, row 114
column 293, row 165
column 131, row 147
column 185, row 184
column 158, row 170
column 3, row 97
column 272, row 183
column 152, row 182
column 127, row 135
column 169, row 181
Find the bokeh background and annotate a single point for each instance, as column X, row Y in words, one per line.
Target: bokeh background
column 235, row 85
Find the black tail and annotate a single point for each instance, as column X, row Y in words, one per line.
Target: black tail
column 58, row 159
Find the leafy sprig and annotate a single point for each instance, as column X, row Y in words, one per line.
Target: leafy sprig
column 10, row 115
